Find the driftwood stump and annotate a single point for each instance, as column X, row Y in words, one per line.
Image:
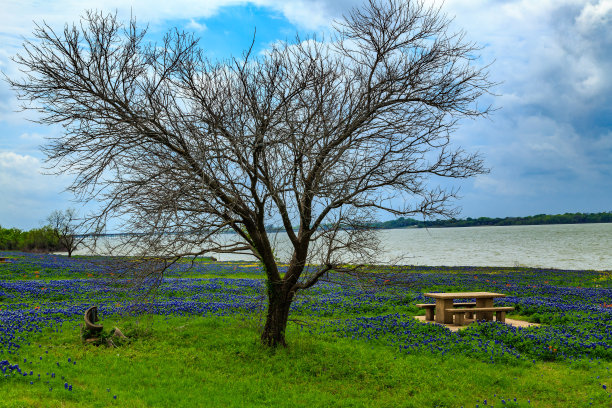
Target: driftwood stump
column 91, row 317
column 92, row 332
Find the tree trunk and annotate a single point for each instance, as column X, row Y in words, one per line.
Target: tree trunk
column 70, row 245
column 279, row 302
column 281, row 292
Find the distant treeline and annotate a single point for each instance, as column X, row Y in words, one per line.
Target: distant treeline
column 46, row 240
column 36, row 240
column 540, row 219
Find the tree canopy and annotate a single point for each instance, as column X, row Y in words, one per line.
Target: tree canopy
column 323, row 135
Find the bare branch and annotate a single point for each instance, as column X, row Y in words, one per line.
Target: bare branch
column 318, row 136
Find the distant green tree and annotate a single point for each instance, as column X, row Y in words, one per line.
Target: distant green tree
column 10, row 238
column 40, row 239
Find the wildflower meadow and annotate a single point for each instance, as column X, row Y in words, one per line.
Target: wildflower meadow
column 352, row 342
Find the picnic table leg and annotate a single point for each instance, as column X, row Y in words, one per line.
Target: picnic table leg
column 459, row 319
column 441, row 315
column 484, row 302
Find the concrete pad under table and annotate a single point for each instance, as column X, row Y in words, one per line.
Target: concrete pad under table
column 454, row 328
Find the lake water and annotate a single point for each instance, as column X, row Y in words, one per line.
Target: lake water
column 568, row 246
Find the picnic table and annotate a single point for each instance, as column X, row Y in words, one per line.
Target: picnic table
column 445, row 310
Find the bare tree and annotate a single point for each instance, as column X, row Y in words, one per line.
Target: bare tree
column 316, row 136
column 66, row 228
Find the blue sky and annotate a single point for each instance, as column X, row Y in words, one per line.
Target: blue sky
column 549, row 145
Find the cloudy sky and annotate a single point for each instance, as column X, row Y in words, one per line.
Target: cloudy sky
column 549, row 145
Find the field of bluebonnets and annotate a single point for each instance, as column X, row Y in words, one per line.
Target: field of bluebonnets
column 44, row 292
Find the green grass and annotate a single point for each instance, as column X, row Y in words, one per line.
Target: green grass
column 218, row 362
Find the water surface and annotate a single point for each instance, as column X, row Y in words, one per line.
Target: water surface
column 566, row 246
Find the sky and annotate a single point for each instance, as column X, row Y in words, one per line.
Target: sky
column 548, row 144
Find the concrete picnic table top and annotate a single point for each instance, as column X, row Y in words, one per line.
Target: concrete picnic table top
column 464, row 295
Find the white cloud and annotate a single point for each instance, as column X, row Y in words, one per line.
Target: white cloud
column 10, row 161
column 17, row 16
column 196, row 26
column 594, row 15
column 536, row 155
column 500, row 186
column 553, row 59
column 28, row 196
column 32, row 137
column 25, row 174
column 310, row 15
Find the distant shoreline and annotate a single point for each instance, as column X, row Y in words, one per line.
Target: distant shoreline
column 540, row 219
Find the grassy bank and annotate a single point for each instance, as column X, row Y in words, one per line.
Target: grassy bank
column 196, row 343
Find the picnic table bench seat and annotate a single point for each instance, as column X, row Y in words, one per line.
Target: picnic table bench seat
column 459, row 313
column 429, row 308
